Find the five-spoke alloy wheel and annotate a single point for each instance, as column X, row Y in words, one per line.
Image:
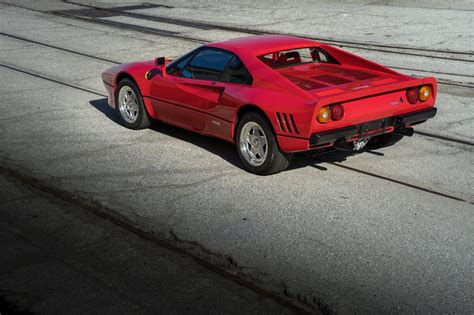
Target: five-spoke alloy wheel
column 257, row 146
column 253, row 144
column 129, row 105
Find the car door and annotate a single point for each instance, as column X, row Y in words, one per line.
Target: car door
column 190, row 87
column 234, row 80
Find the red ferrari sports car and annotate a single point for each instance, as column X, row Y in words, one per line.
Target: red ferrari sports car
column 273, row 95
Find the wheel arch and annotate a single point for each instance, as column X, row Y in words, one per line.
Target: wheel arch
column 125, row 75
column 247, row 109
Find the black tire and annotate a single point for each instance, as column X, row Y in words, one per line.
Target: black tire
column 276, row 160
column 142, row 119
column 384, row 140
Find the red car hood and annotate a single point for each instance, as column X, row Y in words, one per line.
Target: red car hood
column 322, row 80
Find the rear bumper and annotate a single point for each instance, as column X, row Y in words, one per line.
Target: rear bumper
column 371, row 128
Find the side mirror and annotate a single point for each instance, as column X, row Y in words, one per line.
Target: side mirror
column 160, row 62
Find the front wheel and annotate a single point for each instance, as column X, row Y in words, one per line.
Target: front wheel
column 257, row 146
column 129, row 106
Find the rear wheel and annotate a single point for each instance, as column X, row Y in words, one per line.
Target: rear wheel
column 129, row 106
column 257, row 146
column 384, row 140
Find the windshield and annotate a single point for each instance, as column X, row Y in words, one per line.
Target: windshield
column 297, row 56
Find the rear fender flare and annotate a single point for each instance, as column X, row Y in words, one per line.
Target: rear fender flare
column 246, row 109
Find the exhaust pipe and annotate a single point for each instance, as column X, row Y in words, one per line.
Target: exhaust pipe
column 404, row 131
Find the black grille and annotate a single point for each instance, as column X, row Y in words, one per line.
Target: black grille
column 287, row 123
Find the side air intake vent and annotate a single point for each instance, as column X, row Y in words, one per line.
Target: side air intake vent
column 287, row 123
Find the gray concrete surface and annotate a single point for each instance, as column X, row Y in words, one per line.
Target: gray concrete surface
column 348, row 240
column 412, row 25
column 58, row 258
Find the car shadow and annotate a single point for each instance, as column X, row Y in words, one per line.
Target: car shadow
column 102, row 106
column 221, row 148
column 315, row 159
column 226, row 150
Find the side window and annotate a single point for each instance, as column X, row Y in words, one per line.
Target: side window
column 175, row 67
column 207, row 64
column 236, row 73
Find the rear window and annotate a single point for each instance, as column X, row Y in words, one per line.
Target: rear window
column 298, row 56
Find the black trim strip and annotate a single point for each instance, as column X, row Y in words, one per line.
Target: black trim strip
column 190, row 108
column 332, row 135
column 415, row 117
column 366, row 127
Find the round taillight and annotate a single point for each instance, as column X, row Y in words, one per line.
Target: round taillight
column 425, row 93
column 337, row 111
column 324, row 115
column 413, row 95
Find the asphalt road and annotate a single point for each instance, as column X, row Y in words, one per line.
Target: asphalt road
column 58, row 258
column 387, row 231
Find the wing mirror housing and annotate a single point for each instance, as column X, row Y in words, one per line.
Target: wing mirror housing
column 160, row 66
column 160, row 63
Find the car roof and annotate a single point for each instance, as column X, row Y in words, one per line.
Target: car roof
column 261, row 44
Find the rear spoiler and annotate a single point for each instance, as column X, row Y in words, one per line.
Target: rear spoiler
column 377, row 90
